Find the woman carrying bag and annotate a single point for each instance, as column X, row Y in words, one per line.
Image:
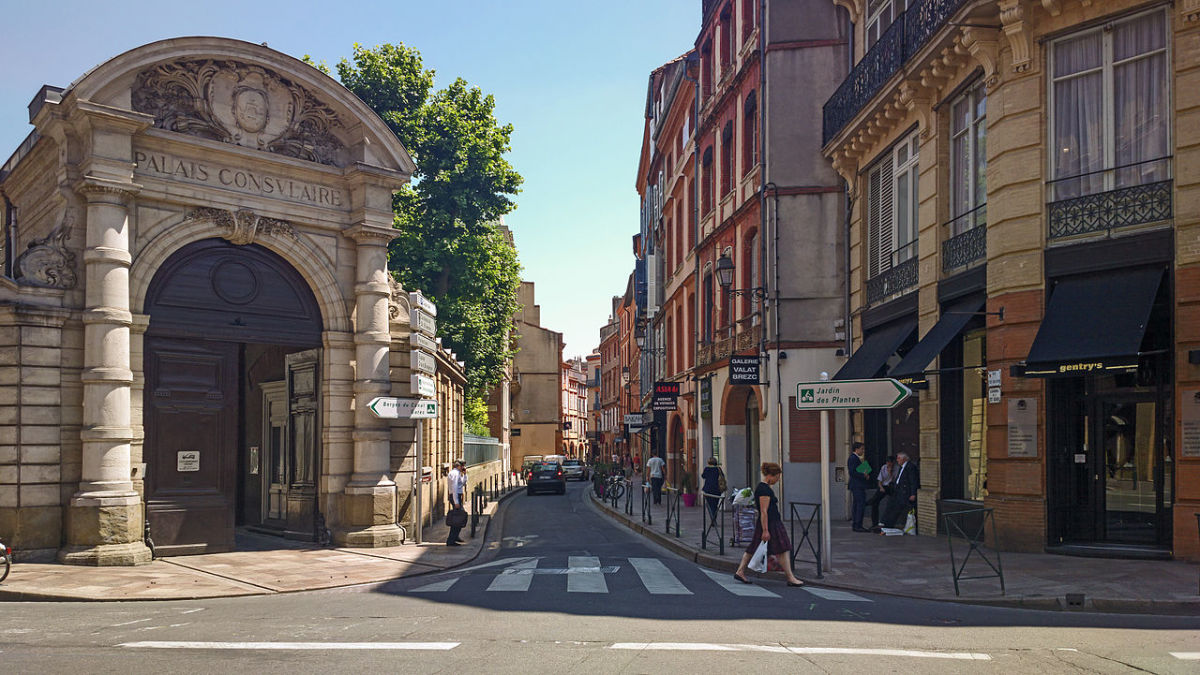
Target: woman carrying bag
column 769, row 529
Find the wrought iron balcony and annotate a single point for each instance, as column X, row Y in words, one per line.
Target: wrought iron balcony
column 889, row 282
column 970, row 243
column 900, row 42
column 1089, row 203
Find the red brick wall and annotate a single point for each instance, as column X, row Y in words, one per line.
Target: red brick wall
column 1187, row 378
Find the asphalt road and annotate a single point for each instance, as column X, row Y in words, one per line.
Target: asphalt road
column 569, row 591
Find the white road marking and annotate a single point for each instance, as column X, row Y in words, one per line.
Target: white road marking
column 587, row 575
column 494, row 563
column 437, row 586
column 657, row 578
column 840, row 596
column 129, row 623
column 779, row 649
column 736, row 587
column 193, row 611
column 514, row 582
column 299, row 646
column 1186, row 656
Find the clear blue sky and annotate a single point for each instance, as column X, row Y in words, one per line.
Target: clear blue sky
column 570, row 76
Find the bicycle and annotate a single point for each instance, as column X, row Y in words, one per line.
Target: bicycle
column 7, row 554
column 614, row 487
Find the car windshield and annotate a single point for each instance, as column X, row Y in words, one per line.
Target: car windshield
column 572, row 462
column 545, row 466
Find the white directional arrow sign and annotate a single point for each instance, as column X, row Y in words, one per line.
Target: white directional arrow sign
column 833, row 395
column 392, row 408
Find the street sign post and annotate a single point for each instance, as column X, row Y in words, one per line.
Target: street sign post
column 828, row 395
column 392, row 408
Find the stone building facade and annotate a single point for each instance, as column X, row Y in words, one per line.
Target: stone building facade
column 1023, row 251
column 196, row 309
column 537, row 383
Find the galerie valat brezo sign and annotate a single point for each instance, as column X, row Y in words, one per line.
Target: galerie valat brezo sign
column 422, row 345
column 743, row 369
column 392, row 408
column 854, row 394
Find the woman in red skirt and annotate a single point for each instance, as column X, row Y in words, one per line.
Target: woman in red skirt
column 769, row 527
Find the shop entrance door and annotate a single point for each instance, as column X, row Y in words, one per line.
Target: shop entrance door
column 1111, row 467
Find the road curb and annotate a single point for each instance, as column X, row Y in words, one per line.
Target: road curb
column 1045, row 603
column 8, row 595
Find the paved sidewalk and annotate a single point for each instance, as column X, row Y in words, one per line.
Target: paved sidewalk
column 920, row 567
column 262, row 565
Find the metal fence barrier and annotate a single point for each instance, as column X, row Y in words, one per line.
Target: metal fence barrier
column 971, row 525
column 712, row 523
column 672, row 495
column 647, row 515
column 810, row 532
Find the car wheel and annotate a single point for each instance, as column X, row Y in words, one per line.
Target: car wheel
column 529, row 491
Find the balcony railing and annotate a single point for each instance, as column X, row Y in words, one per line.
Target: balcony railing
column 899, row 43
column 892, row 281
column 744, row 339
column 1110, row 199
column 968, row 240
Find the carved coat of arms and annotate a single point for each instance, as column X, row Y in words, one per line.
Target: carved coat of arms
column 240, row 103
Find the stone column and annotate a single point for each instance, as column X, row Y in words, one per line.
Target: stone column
column 104, row 520
column 369, row 506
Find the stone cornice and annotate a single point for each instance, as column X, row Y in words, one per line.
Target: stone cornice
column 372, row 235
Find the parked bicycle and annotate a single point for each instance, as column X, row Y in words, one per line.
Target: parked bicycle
column 5, row 565
column 614, row 487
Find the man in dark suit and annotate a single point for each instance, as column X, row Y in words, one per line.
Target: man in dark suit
column 858, row 484
column 904, row 492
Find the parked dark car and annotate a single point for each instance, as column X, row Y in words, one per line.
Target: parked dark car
column 546, row 477
column 574, row 469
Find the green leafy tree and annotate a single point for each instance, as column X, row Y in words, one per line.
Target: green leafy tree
column 449, row 246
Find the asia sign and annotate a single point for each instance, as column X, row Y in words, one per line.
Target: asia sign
column 850, row 394
column 743, row 369
column 666, row 397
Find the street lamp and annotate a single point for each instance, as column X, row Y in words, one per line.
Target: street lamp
column 725, row 279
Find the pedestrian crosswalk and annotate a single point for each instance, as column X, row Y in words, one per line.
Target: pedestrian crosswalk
column 590, row 574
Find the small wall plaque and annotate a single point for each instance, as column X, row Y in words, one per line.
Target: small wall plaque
column 187, row 460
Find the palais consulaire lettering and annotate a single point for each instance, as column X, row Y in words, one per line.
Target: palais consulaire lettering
column 196, row 171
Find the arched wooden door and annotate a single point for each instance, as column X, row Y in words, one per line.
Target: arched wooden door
column 230, row 327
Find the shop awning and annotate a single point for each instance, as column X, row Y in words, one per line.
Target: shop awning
column 911, row 369
column 1094, row 324
column 879, row 346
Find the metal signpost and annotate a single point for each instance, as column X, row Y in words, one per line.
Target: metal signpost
column 392, row 408
column 840, row 395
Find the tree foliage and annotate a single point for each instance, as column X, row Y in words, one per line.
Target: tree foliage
column 449, row 246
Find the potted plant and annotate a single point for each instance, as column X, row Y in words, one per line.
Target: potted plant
column 689, row 496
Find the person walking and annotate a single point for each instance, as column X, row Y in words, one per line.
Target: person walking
column 860, row 471
column 456, row 486
column 883, row 482
column 654, row 469
column 769, row 527
column 713, row 479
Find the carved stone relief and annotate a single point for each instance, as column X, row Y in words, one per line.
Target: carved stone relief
column 239, row 103
column 242, row 226
column 398, row 304
column 47, row 261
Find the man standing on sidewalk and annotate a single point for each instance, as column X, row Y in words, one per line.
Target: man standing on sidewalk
column 654, row 469
column 456, row 486
column 858, row 483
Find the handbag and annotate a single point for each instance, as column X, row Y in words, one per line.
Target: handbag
column 722, row 486
column 457, row 517
column 758, row 561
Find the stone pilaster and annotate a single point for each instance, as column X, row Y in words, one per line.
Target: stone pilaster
column 104, row 520
column 369, row 506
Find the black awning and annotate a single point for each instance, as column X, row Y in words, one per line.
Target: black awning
column 1094, row 323
column 911, row 370
column 869, row 358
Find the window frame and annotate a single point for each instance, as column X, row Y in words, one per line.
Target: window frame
column 909, row 147
column 974, row 123
column 1108, row 101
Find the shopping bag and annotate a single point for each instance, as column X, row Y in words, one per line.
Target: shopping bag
column 910, row 523
column 758, row 561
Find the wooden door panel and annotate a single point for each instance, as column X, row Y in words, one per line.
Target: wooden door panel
column 192, row 407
